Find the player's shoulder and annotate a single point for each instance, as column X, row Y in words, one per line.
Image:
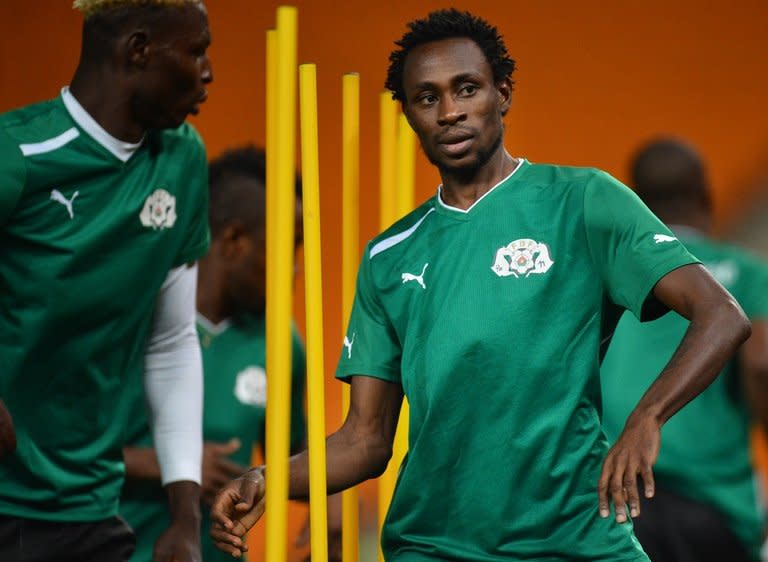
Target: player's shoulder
column 561, row 174
column 402, row 230
column 184, row 139
column 37, row 122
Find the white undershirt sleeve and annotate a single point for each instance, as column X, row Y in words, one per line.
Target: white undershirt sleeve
column 173, row 379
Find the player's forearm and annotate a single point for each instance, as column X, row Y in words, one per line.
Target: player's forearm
column 712, row 338
column 350, row 459
column 184, row 502
column 141, row 463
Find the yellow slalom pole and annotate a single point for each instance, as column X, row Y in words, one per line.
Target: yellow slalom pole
column 406, row 167
column 318, row 511
column 271, row 96
column 387, row 162
column 388, row 119
column 406, row 177
column 279, row 311
column 350, row 181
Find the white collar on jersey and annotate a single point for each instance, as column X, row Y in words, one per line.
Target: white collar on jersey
column 213, row 328
column 121, row 149
column 483, row 196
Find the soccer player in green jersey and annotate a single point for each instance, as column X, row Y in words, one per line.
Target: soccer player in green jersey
column 706, row 506
column 485, row 308
column 231, row 302
column 103, row 213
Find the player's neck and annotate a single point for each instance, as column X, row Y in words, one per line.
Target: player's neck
column 107, row 102
column 462, row 190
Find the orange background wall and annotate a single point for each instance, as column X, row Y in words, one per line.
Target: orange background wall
column 595, row 79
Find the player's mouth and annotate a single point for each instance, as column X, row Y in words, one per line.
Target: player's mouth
column 456, row 144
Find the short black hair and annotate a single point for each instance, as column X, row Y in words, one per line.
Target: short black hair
column 102, row 29
column 670, row 177
column 448, row 24
column 230, row 198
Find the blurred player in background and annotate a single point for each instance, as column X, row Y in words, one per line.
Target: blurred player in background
column 706, row 506
column 230, row 324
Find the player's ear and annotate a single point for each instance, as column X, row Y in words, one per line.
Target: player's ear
column 504, row 89
column 234, row 240
column 136, row 48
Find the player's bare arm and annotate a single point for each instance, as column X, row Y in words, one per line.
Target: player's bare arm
column 217, row 470
column 181, row 541
column 717, row 328
column 359, row 450
column 753, row 365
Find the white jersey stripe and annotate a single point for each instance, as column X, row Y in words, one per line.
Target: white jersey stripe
column 387, row 243
column 50, row 145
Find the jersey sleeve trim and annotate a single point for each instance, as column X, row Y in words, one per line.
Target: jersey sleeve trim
column 654, row 276
column 381, row 373
column 388, row 243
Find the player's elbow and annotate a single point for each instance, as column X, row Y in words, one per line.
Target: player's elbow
column 734, row 320
column 378, row 454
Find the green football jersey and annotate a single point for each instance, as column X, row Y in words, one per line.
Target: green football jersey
column 715, row 469
column 490, row 319
column 235, row 385
column 87, row 240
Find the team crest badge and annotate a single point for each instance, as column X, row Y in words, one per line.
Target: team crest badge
column 251, row 386
column 522, row 257
column 159, row 210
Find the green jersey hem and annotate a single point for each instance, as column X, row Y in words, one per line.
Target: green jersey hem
column 58, row 514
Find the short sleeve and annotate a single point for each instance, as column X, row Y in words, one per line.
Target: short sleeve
column 753, row 291
column 631, row 248
column 298, row 385
column 198, row 237
column 13, row 175
column 371, row 346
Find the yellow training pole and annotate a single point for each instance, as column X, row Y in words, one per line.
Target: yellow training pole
column 406, row 170
column 279, row 311
column 350, row 188
column 387, row 214
column 318, row 494
column 406, row 167
column 387, row 163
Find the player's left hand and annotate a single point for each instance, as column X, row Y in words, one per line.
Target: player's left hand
column 633, row 455
column 179, row 543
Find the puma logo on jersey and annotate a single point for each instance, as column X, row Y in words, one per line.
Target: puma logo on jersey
column 348, row 344
column 418, row 278
column 659, row 238
column 58, row 196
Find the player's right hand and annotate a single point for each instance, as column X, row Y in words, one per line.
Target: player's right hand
column 237, row 507
column 218, row 470
column 7, row 432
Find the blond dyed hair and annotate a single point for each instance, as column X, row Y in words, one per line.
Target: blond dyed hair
column 90, row 7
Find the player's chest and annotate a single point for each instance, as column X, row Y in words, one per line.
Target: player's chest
column 140, row 201
column 505, row 267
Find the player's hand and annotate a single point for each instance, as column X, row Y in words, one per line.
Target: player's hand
column 7, row 432
column 235, row 510
column 218, row 470
column 179, row 543
column 633, row 455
